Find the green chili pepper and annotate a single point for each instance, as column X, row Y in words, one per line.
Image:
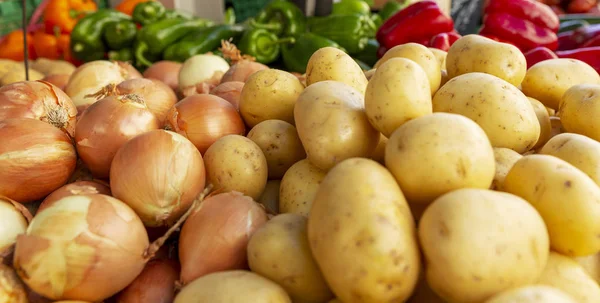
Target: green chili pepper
column 391, row 8
column 86, row 37
column 148, row 12
column 120, row 34
column 230, row 16
column 346, row 7
column 262, row 44
column 296, row 55
column 369, row 54
column 282, row 17
column 173, row 14
column 201, row 41
column 125, row 55
column 351, row 31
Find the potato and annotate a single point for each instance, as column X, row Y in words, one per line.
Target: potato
column 556, row 127
column 551, row 111
column 505, row 159
column 591, row 265
column 580, row 109
column 269, row 94
column 567, row 199
column 440, row 55
column 280, row 143
column 479, row 242
column 232, row 286
column 7, row 65
column 270, row 197
column 445, row 78
column 532, row 294
column 280, row 252
column 332, row 124
column 544, row 120
column 379, row 152
column 330, row 63
column 423, row 293
column 235, row 163
column 398, row 92
column 580, row 151
column 53, row 67
column 565, row 274
column 298, row 187
column 370, row 73
column 435, row 154
column 420, row 55
column 362, row 234
column 18, row 74
column 504, row 112
column 548, row 80
column 475, row 53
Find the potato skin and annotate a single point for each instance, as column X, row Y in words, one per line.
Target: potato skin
column 398, row 92
column 544, row 119
column 299, row 186
column 440, row 55
column 567, row 199
column 475, row 53
column 452, row 146
column 503, row 111
column 532, row 294
column 580, row 151
column 366, row 246
column 330, row 63
column 280, row 252
column 505, row 159
column 591, row 265
column 270, row 197
column 565, row 274
column 580, row 109
column 548, row 80
column 479, row 242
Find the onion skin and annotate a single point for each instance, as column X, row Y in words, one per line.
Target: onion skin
column 158, row 96
column 83, row 247
column 215, row 236
column 38, row 100
column 106, row 125
column 14, row 219
column 158, row 174
column 165, row 71
column 230, row 91
column 203, row 119
column 242, row 70
column 130, row 71
column 90, row 78
column 12, row 289
column 36, row 158
column 59, row 81
column 75, row 188
column 156, row 284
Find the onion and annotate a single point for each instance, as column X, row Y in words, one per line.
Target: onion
column 156, row 284
column 205, row 69
column 242, row 70
column 14, row 219
column 106, row 125
column 38, row 100
column 203, row 119
column 36, row 158
column 215, row 236
column 12, row 289
column 59, row 81
column 229, row 91
column 76, row 188
column 82, row 247
column 131, row 72
column 158, row 174
column 165, row 71
column 158, row 96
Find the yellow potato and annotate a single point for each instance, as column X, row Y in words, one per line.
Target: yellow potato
column 548, row 80
column 556, row 127
column 445, row 78
column 269, row 94
column 398, row 92
column 232, row 286
column 580, row 151
column 479, row 242
column 580, row 110
column 235, row 163
column 551, row 111
column 298, row 187
column 440, row 55
column 567, row 199
column 435, row 154
column 591, row 265
column 370, row 73
column 279, row 251
column 330, row 63
column 420, row 55
column 504, row 113
column 270, row 197
column 332, row 124
column 362, row 234
column 565, row 274
column 7, row 65
column 53, row 67
column 280, row 143
column 379, row 152
column 505, row 159
column 544, row 120
column 423, row 293
column 474, row 53
column 17, row 74
column 532, row 294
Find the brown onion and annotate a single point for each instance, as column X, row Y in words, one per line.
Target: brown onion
column 203, row 119
column 131, row 72
column 158, row 174
column 12, row 289
column 230, row 91
column 14, row 219
column 83, row 247
column 156, row 284
column 76, row 188
column 165, row 71
column 158, row 96
column 38, row 100
column 90, row 78
column 106, row 125
column 215, row 236
column 36, row 158
column 59, row 81
column 242, row 70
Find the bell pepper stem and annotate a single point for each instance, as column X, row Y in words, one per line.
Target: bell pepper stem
column 140, row 54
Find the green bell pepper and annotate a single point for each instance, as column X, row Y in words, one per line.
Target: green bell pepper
column 369, row 54
column 201, row 42
column 282, row 17
column 229, row 16
column 173, row 14
column 148, row 12
column 86, row 37
column 124, row 54
column 262, row 44
column 296, row 55
column 348, row 7
column 376, row 18
column 391, row 8
column 120, row 34
column 351, row 31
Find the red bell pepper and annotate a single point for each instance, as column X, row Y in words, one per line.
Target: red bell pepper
column 539, row 54
column 418, row 23
column 381, row 51
column 443, row 41
column 589, row 55
column 577, row 38
column 592, row 42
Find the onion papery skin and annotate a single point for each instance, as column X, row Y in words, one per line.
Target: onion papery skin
column 156, row 284
column 158, row 96
column 158, row 174
column 12, row 289
column 230, row 91
column 165, row 71
column 59, row 81
column 38, row 100
column 36, row 158
column 203, row 119
column 130, row 71
column 106, row 125
column 76, row 188
column 242, row 70
column 82, row 247
column 14, row 219
column 215, row 236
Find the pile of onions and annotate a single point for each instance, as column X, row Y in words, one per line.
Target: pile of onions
column 59, row 81
column 76, row 188
column 203, row 119
column 156, row 283
column 201, row 73
column 38, row 100
column 11, row 288
column 242, row 66
column 158, row 174
column 215, row 236
column 131, row 72
column 14, row 219
column 83, row 247
column 229, row 91
column 166, row 72
column 36, row 158
column 106, row 125
column 158, row 96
